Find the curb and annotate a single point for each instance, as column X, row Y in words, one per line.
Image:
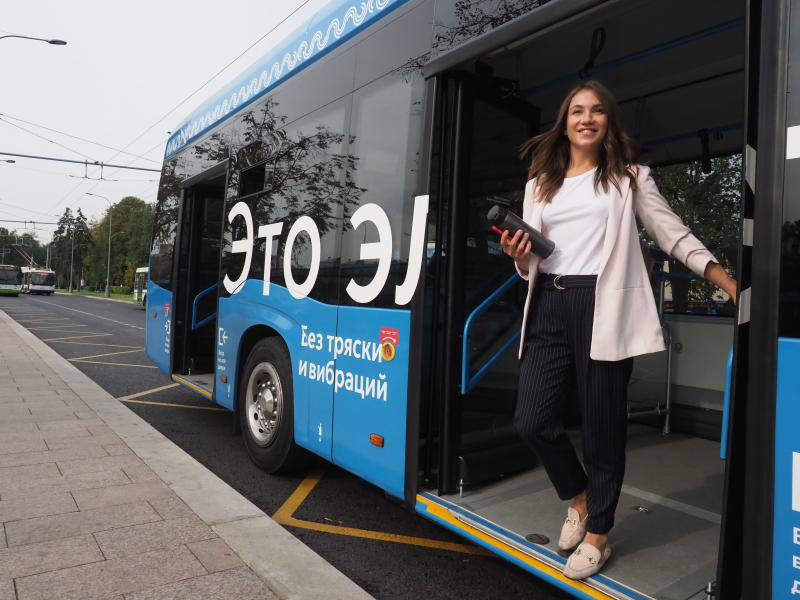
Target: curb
column 290, row 569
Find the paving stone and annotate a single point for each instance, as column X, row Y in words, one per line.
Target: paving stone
column 241, row 584
column 49, row 556
column 70, row 424
column 120, row 494
column 43, row 403
column 27, row 472
column 171, row 507
column 215, row 555
column 35, row 458
column 7, row 590
column 42, row 529
column 113, row 577
column 31, row 443
column 107, row 463
column 66, row 483
column 2, row 537
column 11, row 411
column 51, row 413
column 117, row 450
column 160, row 535
column 28, row 507
column 139, row 473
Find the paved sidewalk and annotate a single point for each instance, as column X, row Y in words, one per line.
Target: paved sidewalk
column 96, row 504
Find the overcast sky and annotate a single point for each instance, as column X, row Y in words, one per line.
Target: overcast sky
column 125, row 66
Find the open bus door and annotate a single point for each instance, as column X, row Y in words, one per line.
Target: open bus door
column 714, row 537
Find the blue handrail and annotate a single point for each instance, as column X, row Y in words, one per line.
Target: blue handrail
column 726, row 407
column 195, row 324
column 467, row 382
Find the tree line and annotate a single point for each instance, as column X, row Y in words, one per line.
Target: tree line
column 80, row 247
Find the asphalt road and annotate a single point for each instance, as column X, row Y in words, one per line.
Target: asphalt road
column 341, row 517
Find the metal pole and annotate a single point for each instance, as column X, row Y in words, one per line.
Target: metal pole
column 108, row 267
column 71, row 257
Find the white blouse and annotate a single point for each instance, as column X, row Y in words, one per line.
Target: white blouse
column 576, row 221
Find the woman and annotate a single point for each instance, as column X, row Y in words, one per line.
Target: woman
column 590, row 307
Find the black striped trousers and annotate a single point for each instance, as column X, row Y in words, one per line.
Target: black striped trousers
column 556, row 360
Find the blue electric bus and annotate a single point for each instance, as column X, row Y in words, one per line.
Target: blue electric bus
column 322, row 267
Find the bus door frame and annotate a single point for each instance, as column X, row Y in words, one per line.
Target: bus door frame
column 745, row 566
column 219, row 169
column 452, row 96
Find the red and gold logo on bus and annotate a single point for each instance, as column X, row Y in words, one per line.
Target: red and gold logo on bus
column 166, row 309
column 389, row 340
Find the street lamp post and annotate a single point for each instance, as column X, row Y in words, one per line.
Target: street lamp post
column 107, row 293
column 25, row 37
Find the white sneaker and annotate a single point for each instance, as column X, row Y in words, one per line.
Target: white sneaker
column 586, row 561
column 573, row 531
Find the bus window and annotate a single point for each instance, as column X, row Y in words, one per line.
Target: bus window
column 165, row 226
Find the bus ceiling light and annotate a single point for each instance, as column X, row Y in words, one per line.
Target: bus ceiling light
column 376, row 440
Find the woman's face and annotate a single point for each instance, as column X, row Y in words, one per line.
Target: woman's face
column 587, row 122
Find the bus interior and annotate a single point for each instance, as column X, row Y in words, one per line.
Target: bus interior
column 678, row 72
column 197, row 265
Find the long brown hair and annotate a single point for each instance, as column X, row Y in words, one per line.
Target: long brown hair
column 550, row 151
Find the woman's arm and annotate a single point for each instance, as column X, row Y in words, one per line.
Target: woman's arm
column 720, row 278
column 673, row 236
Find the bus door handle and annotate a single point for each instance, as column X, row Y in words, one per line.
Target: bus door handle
column 726, row 407
column 196, row 302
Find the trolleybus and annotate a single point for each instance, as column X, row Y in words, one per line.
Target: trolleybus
column 140, row 286
column 37, row 280
column 321, row 267
column 10, row 280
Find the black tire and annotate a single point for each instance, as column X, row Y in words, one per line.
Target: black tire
column 266, row 408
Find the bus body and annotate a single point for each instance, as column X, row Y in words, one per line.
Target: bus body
column 10, row 280
column 38, row 281
column 140, row 286
column 321, row 267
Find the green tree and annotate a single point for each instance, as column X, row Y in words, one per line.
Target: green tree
column 69, row 247
column 131, row 221
column 709, row 204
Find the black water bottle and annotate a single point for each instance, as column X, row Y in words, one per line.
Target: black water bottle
column 505, row 219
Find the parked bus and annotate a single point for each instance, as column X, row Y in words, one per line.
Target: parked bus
column 356, row 305
column 10, row 280
column 140, row 286
column 37, row 280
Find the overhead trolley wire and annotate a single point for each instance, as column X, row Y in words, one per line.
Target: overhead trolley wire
column 41, row 137
column 76, row 137
column 187, row 98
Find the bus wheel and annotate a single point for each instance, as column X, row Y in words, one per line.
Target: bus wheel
column 266, row 408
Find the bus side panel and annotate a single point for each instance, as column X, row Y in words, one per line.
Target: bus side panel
column 786, row 539
column 307, row 327
column 372, row 348
column 158, row 325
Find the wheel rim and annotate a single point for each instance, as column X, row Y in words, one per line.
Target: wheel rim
column 263, row 403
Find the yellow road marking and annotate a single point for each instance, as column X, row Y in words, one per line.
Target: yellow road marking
column 214, row 408
column 98, row 344
column 106, row 354
column 148, row 392
column 114, row 364
column 171, row 404
column 77, row 337
column 285, row 512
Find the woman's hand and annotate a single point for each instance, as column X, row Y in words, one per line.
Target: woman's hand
column 719, row 277
column 518, row 248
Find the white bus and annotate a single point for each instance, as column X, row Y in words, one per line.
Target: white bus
column 37, row 280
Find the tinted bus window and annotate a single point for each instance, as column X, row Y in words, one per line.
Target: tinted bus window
column 10, row 275
column 43, row 278
column 165, row 226
column 384, row 171
column 286, row 173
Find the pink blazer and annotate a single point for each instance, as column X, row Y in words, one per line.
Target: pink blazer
column 625, row 318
